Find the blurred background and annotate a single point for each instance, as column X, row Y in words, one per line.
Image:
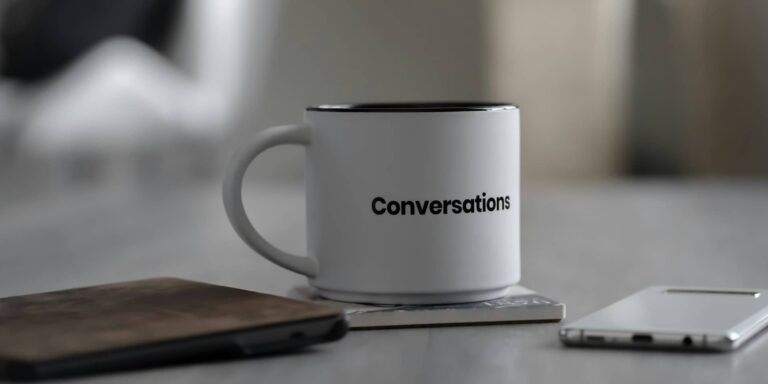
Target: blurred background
column 644, row 140
column 147, row 92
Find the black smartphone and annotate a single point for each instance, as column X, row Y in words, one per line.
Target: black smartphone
column 151, row 322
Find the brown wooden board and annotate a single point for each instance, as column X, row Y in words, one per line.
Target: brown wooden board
column 55, row 325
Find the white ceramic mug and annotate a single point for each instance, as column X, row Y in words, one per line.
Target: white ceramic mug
column 412, row 203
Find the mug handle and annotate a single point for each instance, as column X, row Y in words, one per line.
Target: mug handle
column 233, row 200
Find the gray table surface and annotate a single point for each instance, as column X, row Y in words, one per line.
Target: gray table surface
column 586, row 245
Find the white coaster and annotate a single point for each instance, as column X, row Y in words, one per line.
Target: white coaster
column 520, row 305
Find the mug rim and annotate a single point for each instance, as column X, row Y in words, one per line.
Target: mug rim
column 421, row 106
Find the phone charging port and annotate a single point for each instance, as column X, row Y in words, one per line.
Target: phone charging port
column 642, row 338
column 595, row 338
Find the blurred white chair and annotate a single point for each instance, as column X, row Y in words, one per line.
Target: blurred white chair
column 123, row 99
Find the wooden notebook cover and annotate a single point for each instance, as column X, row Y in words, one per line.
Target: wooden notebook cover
column 53, row 325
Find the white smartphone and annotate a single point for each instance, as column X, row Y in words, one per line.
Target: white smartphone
column 674, row 317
